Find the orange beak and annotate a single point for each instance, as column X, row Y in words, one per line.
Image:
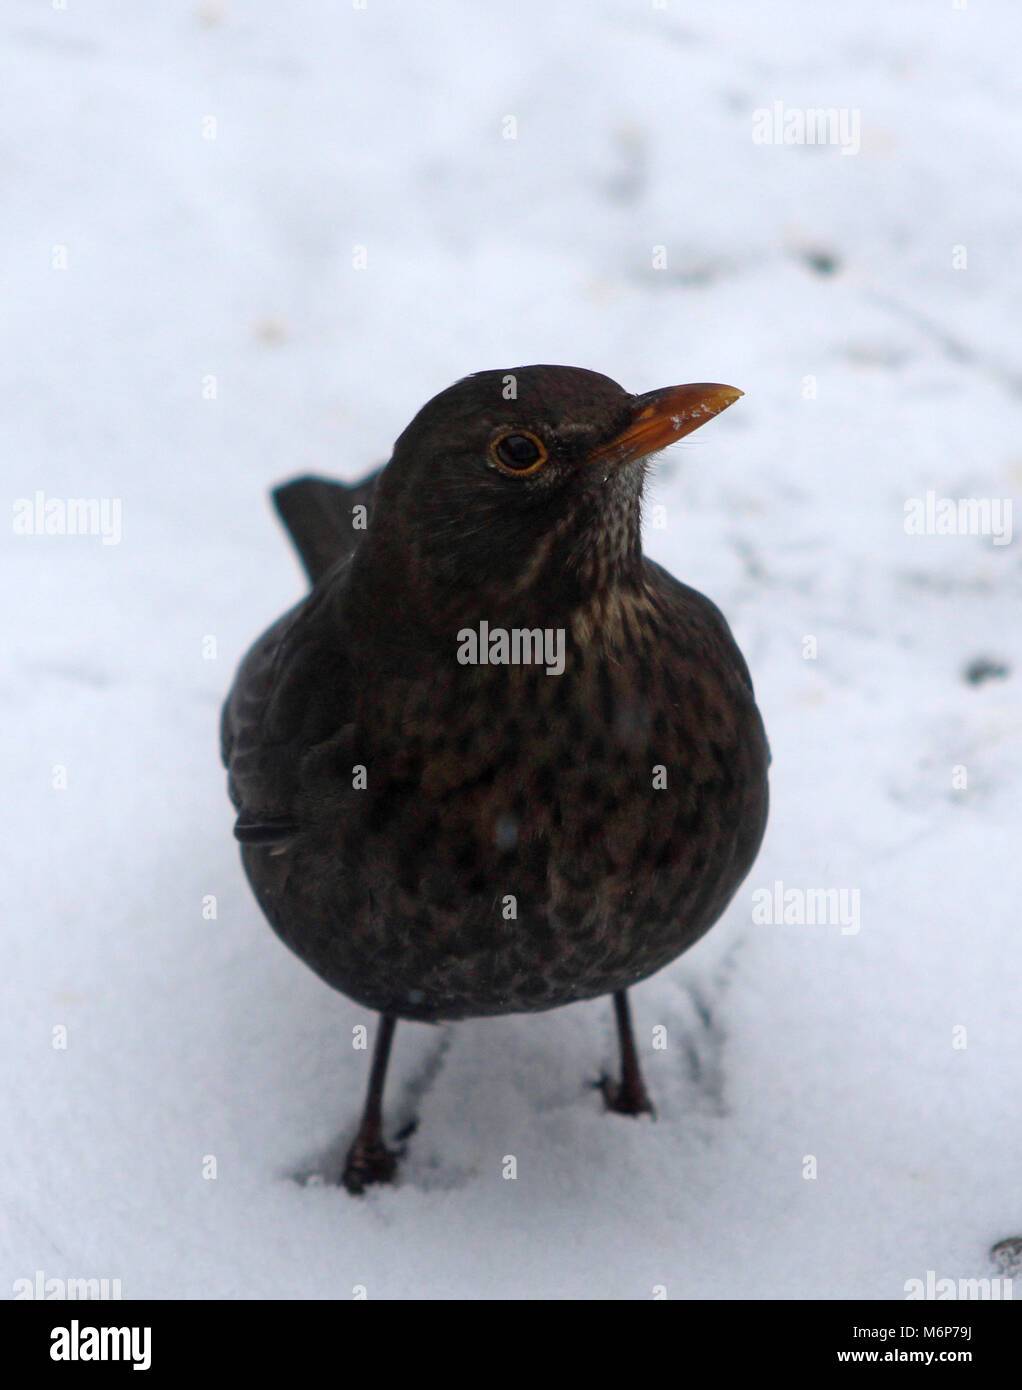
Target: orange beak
column 663, row 416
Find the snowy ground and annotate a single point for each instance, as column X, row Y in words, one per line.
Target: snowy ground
column 821, row 283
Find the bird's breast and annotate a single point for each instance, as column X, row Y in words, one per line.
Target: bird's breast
column 521, row 836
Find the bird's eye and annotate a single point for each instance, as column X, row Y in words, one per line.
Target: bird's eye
column 518, row 453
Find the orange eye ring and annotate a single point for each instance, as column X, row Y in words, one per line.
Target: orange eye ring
column 518, row 453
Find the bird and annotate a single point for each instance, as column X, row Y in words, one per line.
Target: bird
column 496, row 760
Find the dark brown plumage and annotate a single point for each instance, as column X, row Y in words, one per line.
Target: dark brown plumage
column 441, row 840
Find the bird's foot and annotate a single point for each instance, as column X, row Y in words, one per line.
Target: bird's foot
column 624, row 1098
column 368, row 1163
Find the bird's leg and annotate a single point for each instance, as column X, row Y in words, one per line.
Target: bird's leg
column 368, row 1159
column 627, row 1096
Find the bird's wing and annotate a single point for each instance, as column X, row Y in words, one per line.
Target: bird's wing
column 262, row 726
column 321, row 518
column 698, row 623
column 292, row 692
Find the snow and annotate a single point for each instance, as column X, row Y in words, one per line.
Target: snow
column 190, row 258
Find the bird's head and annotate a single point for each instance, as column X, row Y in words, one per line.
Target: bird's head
column 515, row 485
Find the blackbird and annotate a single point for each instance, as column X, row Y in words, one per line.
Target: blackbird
column 496, row 761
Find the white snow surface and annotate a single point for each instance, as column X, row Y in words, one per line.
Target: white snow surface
column 190, row 258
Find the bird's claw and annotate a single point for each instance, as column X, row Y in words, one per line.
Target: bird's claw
column 623, row 1099
column 367, row 1164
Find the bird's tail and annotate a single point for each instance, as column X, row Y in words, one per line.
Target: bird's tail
column 324, row 519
